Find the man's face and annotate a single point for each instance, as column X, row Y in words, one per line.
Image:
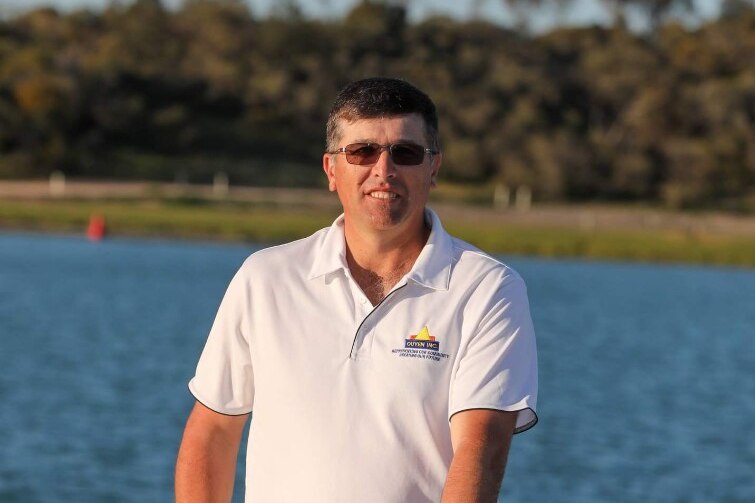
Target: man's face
column 382, row 196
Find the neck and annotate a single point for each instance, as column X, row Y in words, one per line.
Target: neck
column 377, row 261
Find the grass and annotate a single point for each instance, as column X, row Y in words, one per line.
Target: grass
column 640, row 246
column 271, row 224
column 167, row 219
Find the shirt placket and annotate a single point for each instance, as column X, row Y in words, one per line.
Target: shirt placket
column 366, row 320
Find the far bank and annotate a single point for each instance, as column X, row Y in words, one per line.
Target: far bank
column 594, row 232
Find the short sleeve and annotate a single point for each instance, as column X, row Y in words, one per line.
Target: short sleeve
column 224, row 380
column 497, row 366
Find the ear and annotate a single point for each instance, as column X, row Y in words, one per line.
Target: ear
column 435, row 167
column 329, row 166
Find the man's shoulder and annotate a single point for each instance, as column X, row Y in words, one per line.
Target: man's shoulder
column 473, row 264
column 294, row 256
column 469, row 265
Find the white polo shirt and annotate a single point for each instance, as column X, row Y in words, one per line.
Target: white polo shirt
column 352, row 401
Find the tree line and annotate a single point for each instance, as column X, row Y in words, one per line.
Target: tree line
column 575, row 114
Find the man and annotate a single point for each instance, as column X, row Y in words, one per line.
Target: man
column 385, row 361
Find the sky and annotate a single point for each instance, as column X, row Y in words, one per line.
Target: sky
column 581, row 13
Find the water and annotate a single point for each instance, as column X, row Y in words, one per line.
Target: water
column 647, row 388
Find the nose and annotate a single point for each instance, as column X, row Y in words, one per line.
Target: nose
column 384, row 168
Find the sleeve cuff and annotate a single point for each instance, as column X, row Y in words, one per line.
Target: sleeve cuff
column 526, row 417
column 226, row 411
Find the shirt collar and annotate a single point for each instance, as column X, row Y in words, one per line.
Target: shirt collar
column 433, row 265
column 432, row 268
column 331, row 255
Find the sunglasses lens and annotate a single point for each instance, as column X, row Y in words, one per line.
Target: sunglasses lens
column 362, row 153
column 407, row 154
column 403, row 154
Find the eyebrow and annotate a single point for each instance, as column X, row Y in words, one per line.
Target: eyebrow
column 400, row 140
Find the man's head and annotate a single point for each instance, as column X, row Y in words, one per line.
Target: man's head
column 382, row 156
column 381, row 97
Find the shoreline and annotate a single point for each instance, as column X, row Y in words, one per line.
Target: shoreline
column 210, row 241
column 587, row 232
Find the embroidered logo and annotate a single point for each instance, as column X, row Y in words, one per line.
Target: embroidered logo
column 422, row 345
column 423, row 340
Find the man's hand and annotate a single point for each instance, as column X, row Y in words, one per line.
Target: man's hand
column 481, row 440
column 206, row 465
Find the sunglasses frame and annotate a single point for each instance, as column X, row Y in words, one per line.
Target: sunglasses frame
column 389, row 147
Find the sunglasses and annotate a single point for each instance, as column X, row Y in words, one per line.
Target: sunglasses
column 402, row 154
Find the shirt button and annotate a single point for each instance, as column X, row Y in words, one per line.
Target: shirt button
column 363, row 301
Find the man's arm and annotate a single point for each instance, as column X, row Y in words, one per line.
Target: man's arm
column 481, row 440
column 206, row 465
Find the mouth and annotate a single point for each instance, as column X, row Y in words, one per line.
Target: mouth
column 383, row 194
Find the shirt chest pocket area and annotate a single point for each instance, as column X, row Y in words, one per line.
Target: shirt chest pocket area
column 416, row 357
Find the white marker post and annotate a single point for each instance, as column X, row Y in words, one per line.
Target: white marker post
column 523, row 198
column 220, row 185
column 57, row 184
column 501, row 197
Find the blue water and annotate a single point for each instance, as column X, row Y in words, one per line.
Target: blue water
column 647, row 374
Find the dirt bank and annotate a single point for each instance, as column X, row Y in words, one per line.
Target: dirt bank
column 583, row 217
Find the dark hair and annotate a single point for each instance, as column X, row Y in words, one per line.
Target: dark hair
column 381, row 97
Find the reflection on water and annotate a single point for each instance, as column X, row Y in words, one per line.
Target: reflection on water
column 646, row 373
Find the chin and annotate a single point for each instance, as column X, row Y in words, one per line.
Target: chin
column 384, row 224
column 388, row 219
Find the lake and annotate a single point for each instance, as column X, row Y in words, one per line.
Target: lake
column 647, row 373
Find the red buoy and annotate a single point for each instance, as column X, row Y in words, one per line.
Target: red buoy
column 96, row 228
